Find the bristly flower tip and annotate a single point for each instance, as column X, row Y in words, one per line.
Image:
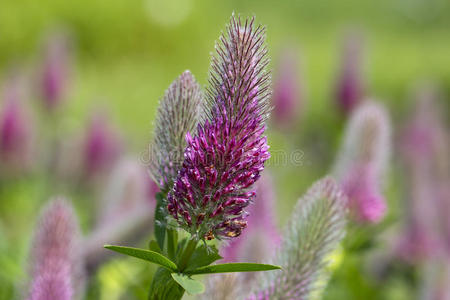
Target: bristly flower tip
column 314, row 230
column 225, row 158
column 178, row 113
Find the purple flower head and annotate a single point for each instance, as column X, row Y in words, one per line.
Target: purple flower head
column 424, row 133
column 56, row 267
column 424, row 150
column 261, row 236
column 365, row 199
column 286, row 91
column 178, row 113
column 314, row 230
column 55, row 69
column 416, row 244
column 15, row 131
column 225, row 158
column 350, row 89
column 102, row 146
column 362, row 161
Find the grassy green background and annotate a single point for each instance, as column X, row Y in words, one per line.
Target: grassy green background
column 128, row 52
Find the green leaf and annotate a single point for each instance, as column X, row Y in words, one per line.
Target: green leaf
column 233, row 267
column 160, row 220
column 203, row 256
column 153, row 246
column 165, row 287
column 147, row 255
column 192, row 287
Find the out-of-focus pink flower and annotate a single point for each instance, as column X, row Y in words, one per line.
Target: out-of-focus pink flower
column 102, row 146
column 261, row 238
column 365, row 200
column 287, row 95
column 16, row 132
column 416, row 244
column 125, row 212
column 363, row 159
column 350, row 84
column 56, row 266
column 420, row 137
column 55, row 71
column 424, row 149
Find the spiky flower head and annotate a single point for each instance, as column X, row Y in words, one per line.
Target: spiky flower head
column 365, row 199
column 55, row 69
column 314, row 230
column 178, row 113
column 16, row 130
column 424, row 150
column 350, row 85
column 287, row 89
column 362, row 160
column 226, row 156
column 102, row 146
column 261, row 237
column 56, row 265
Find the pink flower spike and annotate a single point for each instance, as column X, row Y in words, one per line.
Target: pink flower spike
column 365, row 201
column 56, row 266
column 102, row 146
column 55, row 71
column 16, row 131
column 350, row 85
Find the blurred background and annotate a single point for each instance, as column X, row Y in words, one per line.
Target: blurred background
column 80, row 82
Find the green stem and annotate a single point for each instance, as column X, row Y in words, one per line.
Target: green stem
column 186, row 256
column 171, row 247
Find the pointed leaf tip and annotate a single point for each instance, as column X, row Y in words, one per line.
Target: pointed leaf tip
column 234, row 267
column 151, row 256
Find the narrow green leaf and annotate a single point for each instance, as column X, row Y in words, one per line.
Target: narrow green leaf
column 153, row 246
column 160, row 220
column 147, row 255
column 233, row 267
column 192, row 287
column 203, row 256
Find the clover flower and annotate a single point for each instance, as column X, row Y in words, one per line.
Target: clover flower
column 225, row 157
column 102, row 146
column 56, row 270
column 424, row 151
column 178, row 113
column 125, row 211
column 55, row 71
column 314, row 230
column 350, row 88
column 16, row 131
column 362, row 161
column 365, row 199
